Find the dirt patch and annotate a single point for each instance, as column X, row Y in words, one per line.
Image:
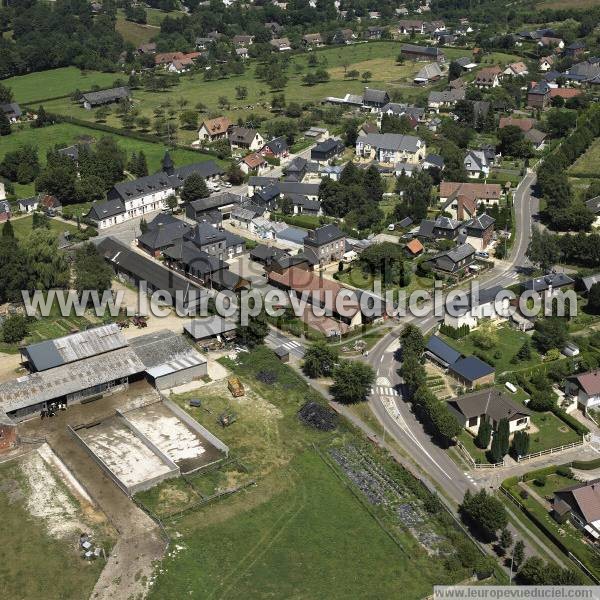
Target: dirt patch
column 48, row 501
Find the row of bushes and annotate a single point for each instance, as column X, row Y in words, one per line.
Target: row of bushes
column 136, row 135
column 456, row 333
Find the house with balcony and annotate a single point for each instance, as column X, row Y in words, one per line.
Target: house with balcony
column 391, row 148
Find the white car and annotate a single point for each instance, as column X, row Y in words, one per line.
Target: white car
column 391, row 227
column 227, row 184
column 482, row 254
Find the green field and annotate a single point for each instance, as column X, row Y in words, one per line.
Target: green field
column 22, row 226
column 506, row 343
column 378, row 58
column 66, row 134
column 35, row 564
column 58, row 82
column 300, row 531
column 587, row 164
column 138, row 33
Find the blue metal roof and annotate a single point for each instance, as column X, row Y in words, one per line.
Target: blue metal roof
column 471, row 368
column 443, row 351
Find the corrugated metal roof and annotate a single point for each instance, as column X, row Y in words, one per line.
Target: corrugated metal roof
column 191, row 359
column 60, row 351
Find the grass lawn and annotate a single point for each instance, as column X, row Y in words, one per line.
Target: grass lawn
column 22, row 226
column 587, row 164
column 136, row 33
column 57, row 82
column 66, row 134
column 291, row 535
column 468, row 441
column 507, row 342
column 552, row 432
column 378, row 58
column 553, row 483
column 35, row 564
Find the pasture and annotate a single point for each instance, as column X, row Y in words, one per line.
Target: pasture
column 34, row 87
column 377, row 58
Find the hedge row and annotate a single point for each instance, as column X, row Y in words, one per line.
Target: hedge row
column 586, row 465
column 136, row 135
column 572, row 422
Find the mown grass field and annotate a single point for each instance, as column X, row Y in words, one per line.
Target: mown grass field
column 66, row 134
column 299, row 532
column 378, row 58
column 587, row 164
column 58, row 82
column 22, row 226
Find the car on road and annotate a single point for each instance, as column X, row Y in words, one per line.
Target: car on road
column 482, row 254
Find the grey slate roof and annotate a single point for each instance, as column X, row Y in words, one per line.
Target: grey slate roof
column 157, row 182
column 161, row 235
column 490, row 402
column 11, row 109
column 105, row 209
column 242, row 135
column 323, row 235
column 453, row 95
column 377, row 96
column 216, row 201
column 593, row 205
column 105, row 96
column 590, row 280
column 480, row 222
column 434, row 52
column 292, row 234
column 278, row 145
column 544, row 283
column 391, row 141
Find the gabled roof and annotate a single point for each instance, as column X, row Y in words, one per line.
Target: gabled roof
column 278, row 145
column 590, row 280
column 491, row 402
column 217, row 126
column 378, row 96
column 242, row 135
column 593, row 205
column 391, row 141
column 162, row 235
column 106, row 209
column 429, row 71
column 425, row 50
column 414, row 246
column 11, row 110
column 541, row 284
column 480, row 222
column 104, row 96
column 439, row 348
column 471, row 368
column 589, row 382
column 524, row 124
column 585, row 498
column 323, row 235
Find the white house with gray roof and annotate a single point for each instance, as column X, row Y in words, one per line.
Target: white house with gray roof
column 391, row 148
column 130, row 199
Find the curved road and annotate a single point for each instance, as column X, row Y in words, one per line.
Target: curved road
column 405, row 429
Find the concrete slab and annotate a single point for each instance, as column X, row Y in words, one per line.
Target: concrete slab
column 186, row 448
column 131, row 461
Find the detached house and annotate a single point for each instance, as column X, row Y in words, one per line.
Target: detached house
column 471, row 410
column 488, row 77
column 375, row 98
column 281, row 44
column 276, row 148
column 586, row 388
column 325, row 244
column 253, row 164
column 391, row 148
column 214, row 129
column 515, row 69
column 480, row 231
column 245, row 139
column 312, row 40
column 445, row 99
column 478, row 163
column 546, row 63
column 454, row 260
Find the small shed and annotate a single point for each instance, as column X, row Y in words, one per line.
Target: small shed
column 283, row 354
column 234, row 385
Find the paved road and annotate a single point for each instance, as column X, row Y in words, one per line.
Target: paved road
column 275, row 339
column 407, row 431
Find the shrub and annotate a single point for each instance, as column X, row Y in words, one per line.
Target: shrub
column 14, row 329
column 564, row 471
column 524, row 494
column 540, row 481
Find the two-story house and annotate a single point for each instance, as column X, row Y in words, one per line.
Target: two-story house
column 391, row 148
column 325, row 244
column 586, row 388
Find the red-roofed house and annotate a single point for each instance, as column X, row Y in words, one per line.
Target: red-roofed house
column 253, row 164
column 461, row 200
column 524, row 124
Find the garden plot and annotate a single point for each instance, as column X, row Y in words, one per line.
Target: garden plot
column 381, row 489
column 187, row 448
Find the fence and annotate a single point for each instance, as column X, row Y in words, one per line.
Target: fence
column 471, row 461
column 548, row 532
column 550, row 451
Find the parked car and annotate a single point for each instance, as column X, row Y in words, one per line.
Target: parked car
column 391, row 227
column 482, row 254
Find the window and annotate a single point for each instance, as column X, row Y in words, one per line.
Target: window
column 473, row 421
